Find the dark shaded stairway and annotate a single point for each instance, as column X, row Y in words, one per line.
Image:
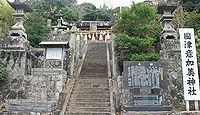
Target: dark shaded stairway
column 91, row 94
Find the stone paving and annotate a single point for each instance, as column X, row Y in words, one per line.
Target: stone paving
column 91, row 94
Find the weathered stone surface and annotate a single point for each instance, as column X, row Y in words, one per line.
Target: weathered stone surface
column 48, row 71
column 31, row 106
column 15, row 43
column 19, row 64
column 44, row 87
column 172, row 88
column 23, row 86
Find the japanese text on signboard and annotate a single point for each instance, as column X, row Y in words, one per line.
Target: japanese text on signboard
column 189, row 64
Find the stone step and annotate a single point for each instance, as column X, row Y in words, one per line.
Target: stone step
column 100, row 62
column 97, row 65
column 91, row 67
column 94, row 60
column 89, row 104
column 94, row 73
column 93, row 77
column 98, row 84
column 90, row 89
column 89, row 109
column 99, row 80
column 91, row 92
column 91, row 86
column 88, row 113
column 84, row 73
column 95, row 100
column 90, row 96
column 95, row 56
column 93, row 80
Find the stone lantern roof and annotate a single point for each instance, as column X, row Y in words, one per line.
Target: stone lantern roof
column 169, row 5
column 20, row 5
column 162, row 7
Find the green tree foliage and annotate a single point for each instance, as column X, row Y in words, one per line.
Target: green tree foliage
column 139, row 34
column 134, row 48
column 6, row 19
column 50, row 7
column 3, row 74
column 138, row 20
column 193, row 21
column 104, row 13
column 145, row 57
column 36, row 25
column 69, row 14
column 89, row 12
column 191, row 5
column 36, row 28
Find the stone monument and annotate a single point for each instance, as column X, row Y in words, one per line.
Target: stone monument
column 144, row 79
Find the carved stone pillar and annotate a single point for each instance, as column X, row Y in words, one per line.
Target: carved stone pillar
column 93, row 37
column 100, row 37
column 85, row 37
column 107, row 36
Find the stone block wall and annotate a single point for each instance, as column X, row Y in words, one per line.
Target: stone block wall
column 22, row 83
column 19, row 64
column 44, row 87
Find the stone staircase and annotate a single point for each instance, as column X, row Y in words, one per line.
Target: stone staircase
column 91, row 94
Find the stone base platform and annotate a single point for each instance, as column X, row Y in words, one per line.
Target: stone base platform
column 148, row 113
column 161, row 113
column 147, row 108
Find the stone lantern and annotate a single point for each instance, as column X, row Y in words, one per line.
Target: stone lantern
column 21, row 8
column 59, row 30
column 169, row 35
column 166, row 9
column 170, row 53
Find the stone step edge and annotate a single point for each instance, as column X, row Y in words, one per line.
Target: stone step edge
column 89, row 102
column 89, row 99
column 102, row 90
column 89, row 107
column 83, row 112
column 91, row 94
column 90, row 89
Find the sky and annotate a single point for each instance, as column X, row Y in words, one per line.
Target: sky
column 110, row 3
